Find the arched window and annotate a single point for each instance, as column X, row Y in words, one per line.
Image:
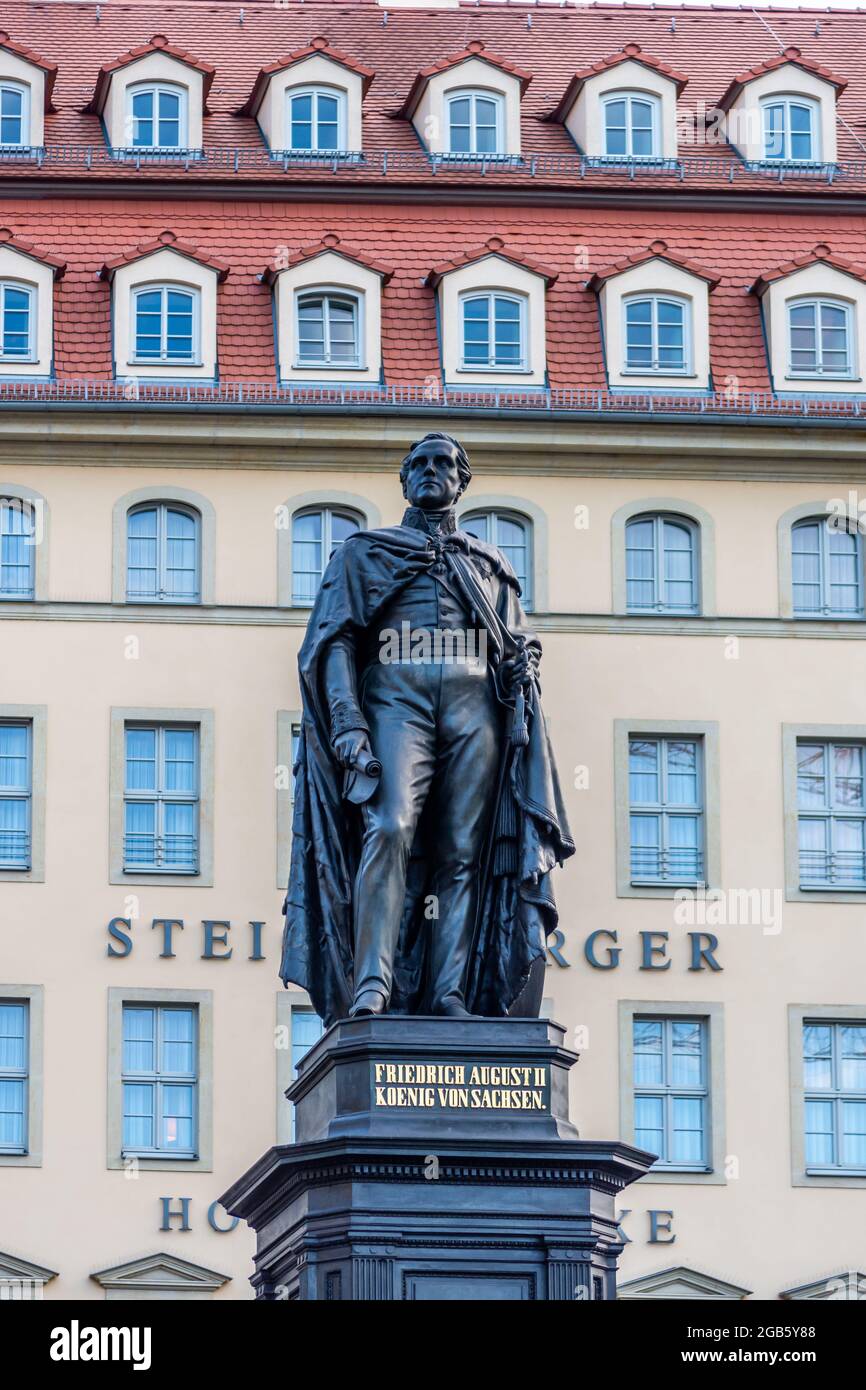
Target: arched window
column 494, row 332
column 820, row 341
column 17, row 548
column 17, row 322
column 657, row 334
column 662, row 564
column 316, row 533
column 827, row 569
column 163, row 554
column 475, row 124
column 790, row 128
column 328, row 329
column 631, row 125
column 510, row 533
column 166, row 324
column 158, row 116
column 14, row 114
column 316, row 119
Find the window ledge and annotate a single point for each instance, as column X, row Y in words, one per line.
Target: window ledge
column 832, row 887
column 835, row 1172
column 662, row 376
column 508, row 370
column 329, row 367
column 823, row 376
column 164, row 362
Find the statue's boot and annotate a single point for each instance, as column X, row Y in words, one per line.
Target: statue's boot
column 452, row 1007
column 367, row 1004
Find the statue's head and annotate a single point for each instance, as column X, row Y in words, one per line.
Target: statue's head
column 435, row 472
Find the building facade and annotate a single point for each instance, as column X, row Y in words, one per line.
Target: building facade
column 248, row 256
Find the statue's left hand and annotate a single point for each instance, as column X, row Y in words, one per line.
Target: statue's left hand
column 518, row 670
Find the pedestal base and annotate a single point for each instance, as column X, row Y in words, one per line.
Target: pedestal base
column 435, row 1160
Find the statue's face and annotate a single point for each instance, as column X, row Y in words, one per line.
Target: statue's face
column 432, row 477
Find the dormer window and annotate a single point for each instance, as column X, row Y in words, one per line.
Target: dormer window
column 631, row 125
column 494, row 332
column 656, row 334
column 14, row 114
column 790, row 125
column 475, row 123
column 158, row 116
column 316, row 119
column 166, row 319
column 328, row 330
column 17, row 322
column 820, row 340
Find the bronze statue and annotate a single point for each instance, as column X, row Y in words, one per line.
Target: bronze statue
column 428, row 813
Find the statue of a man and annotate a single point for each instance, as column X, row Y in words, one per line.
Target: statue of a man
column 428, row 813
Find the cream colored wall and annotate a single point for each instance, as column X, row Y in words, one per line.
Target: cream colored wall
column 493, row 273
column 13, row 67
column 156, row 67
column 310, row 71
column 76, row 1216
column 585, row 120
column 656, row 277
column 744, row 120
column 330, row 271
column 430, row 117
column 815, row 279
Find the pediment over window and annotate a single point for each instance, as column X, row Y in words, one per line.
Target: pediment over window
column 623, row 106
column 288, row 100
column 159, row 1276
column 29, row 81
column 847, row 1285
column 814, row 312
column 153, row 97
column 487, row 120
column 15, row 1270
column 681, row 1282
column 783, row 110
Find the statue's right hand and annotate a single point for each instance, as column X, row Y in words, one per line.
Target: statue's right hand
column 349, row 747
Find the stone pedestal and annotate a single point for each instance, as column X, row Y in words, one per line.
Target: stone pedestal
column 435, row 1159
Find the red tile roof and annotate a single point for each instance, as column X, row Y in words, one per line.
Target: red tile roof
column 166, row 241
column 475, row 49
column 36, row 253
column 790, row 55
column 819, row 255
column 329, row 242
column 316, row 45
column 494, row 246
column 631, row 53
column 656, row 251
column 157, row 44
column 28, row 56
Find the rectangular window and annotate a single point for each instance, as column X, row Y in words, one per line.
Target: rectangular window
column 671, row 1090
column 161, row 799
column 834, row 1089
column 16, row 794
column 16, row 323
column 160, row 1080
column 666, row 813
column 831, row 814
column 14, row 1076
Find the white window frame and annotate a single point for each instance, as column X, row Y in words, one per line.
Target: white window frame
column 818, row 302
column 328, row 292
column 33, row 304
column 666, row 811
column 826, row 612
column 656, row 369
column 474, row 95
column 163, row 360
column 20, row 1074
column 667, row 1091
column 159, row 1081
column 658, row 580
column 832, row 1094
column 327, row 511
column 159, row 796
column 629, row 96
column 9, row 84
column 155, row 89
column 492, row 517
column 23, row 866
column 315, row 90
column 25, row 509
column 787, row 100
column 523, row 364
column 162, row 509
column 829, row 814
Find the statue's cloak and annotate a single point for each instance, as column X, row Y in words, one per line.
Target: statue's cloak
column 529, row 831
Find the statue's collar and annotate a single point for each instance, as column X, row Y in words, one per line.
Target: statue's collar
column 434, row 523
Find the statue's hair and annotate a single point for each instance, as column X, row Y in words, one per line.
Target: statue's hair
column 463, row 468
